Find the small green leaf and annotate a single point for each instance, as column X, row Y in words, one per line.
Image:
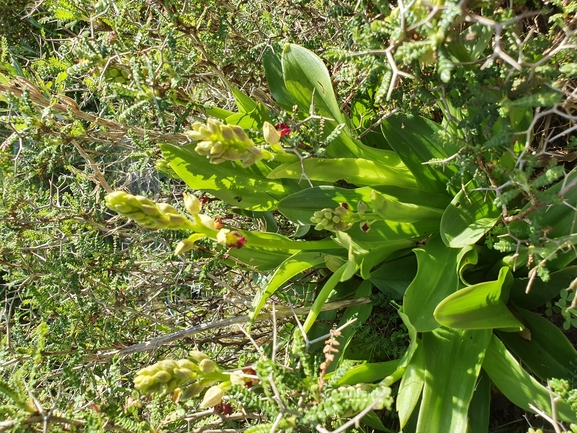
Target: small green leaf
column 323, row 296
column 411, row 386
column 367, row 373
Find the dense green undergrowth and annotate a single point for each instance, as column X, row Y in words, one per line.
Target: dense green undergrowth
column 299, row 216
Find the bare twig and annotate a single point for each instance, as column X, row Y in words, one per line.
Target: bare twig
column 281, row 313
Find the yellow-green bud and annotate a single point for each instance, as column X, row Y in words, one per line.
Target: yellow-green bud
column 212, row 397
column 207, row 366
column 184, row 374
column 162, row 376
column 192, row 204
column 271, row 135
column 193, row 390
column 197, row 355
column 167, row 364
column 185, row 363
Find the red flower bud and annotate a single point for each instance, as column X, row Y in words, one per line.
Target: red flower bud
column 283, row 128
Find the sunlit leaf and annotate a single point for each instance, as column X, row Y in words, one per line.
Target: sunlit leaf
column 292, row 266
column 437, row 277
column 453, row 361
column 470, row 215
column 480, row 306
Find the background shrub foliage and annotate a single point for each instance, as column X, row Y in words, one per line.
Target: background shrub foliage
column 414, row 208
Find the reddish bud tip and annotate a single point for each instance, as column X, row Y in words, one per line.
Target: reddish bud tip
column 283, row 128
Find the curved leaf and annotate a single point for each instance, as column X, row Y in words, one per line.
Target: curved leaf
column 480, row 306
column 470, row 215
column 305, row 74
column 232, row 183
column 546, row 351
column 367, row 373
column 292, row 266
column 437, row 277
column 356, row 171
column 517, row 385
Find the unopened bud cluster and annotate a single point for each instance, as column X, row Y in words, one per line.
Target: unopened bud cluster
column 145, row 212
column 152, row 215
column 340, row 218
column 198, row 373
column 165, row 376
column 220, row 142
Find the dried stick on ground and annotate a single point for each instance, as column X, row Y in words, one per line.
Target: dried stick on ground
column 280, row 313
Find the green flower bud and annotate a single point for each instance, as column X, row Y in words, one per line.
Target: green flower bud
column 212, row 397
column 184, row 374
column 193, row 390
column 207, row 366
column 271, row 135
column 162, row 376
column 192, row 204
column 197, row 355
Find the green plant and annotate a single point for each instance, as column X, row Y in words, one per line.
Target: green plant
column 460, row 199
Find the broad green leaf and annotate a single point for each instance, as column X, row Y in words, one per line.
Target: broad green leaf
column 367, row 373
column 390, row 209
column 437, row 277
column 232, row 183
column 517, row 385
column 292, row 266
column 356, row 171
column 411, row 386
column 379, row 252
column 480, row 406
column 273, row 71
column 541, row 292
column 470, row 215
column 393, row 277
column 453, row 361
column 259, row 258
column 300, row 207
column 306, row 77
column 252, row 119
column 308, row 81
column 545, row 350
column 414, row 139
column 323, row 296
column 480, row 306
